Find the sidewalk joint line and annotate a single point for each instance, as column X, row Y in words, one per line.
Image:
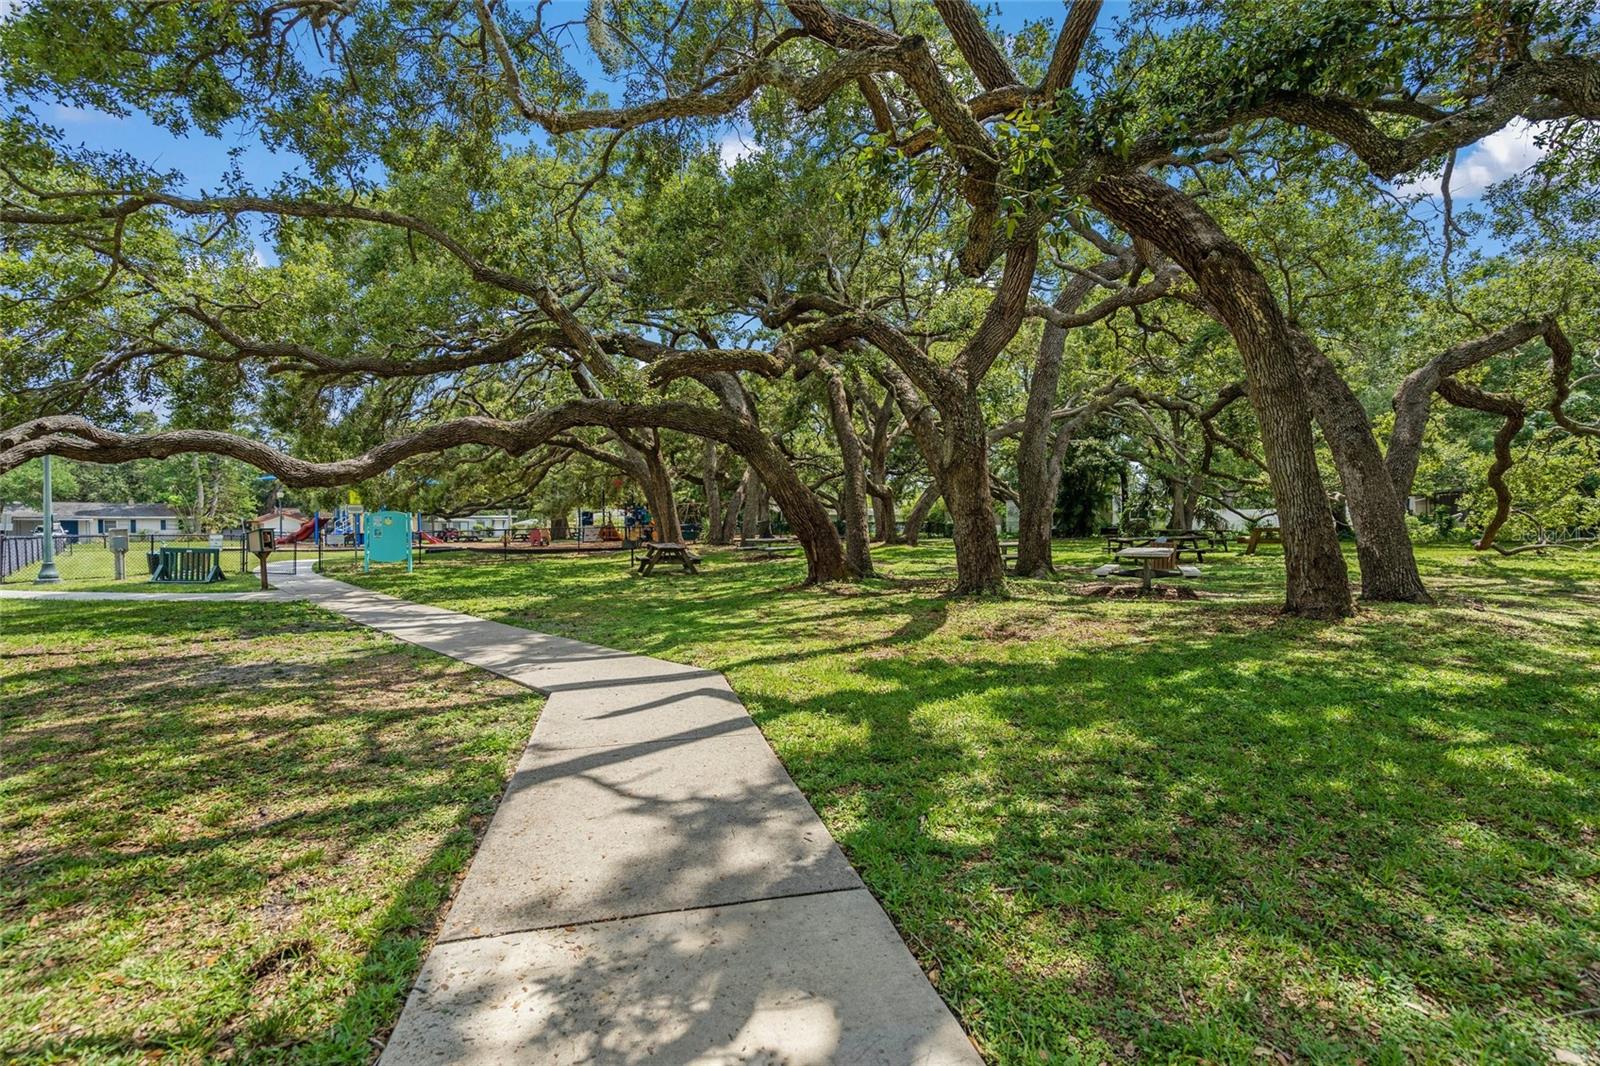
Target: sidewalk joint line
column 652, row 914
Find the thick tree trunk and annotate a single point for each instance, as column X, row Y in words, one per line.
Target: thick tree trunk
column 1178, row 515
column 980, row 569
column 772, row 472
column 1318, row 583
column 1038, row 449
column 713, row 491
column 1035, row 513
column 1383, row 545
column 735, row 508
column 957, row 454
column 919, row 512
column 750, row 515
column 1036, row 502
column 883, row 437
column 887, row 530
column 656, row 483
column 853, row 486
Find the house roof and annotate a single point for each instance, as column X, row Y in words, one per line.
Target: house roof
column 75, row 509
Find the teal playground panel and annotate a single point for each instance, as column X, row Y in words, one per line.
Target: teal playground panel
column 387, row 539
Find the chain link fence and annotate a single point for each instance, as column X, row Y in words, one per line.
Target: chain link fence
column 88, row 557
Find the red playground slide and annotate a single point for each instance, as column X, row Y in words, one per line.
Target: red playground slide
column 429, row 538
column 300, row 534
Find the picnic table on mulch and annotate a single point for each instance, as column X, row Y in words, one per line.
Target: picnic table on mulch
column 668, row 551
column 1154, row 561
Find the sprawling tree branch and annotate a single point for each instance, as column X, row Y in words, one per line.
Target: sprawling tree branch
column 1511, row 410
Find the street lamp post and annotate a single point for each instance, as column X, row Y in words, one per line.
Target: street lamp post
column 47, row 553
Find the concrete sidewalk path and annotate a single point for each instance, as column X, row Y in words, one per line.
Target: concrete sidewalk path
column 653, row 887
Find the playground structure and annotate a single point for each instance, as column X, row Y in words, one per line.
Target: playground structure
column 305, row 532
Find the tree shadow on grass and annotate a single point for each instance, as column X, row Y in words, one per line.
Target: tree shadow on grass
column 220, row 848
column 1201, row 843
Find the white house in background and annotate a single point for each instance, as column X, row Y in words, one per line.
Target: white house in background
column 86, row 519
column 1239, row 519
column 496, row 522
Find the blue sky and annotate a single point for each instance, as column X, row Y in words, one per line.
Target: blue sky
column 203, row 160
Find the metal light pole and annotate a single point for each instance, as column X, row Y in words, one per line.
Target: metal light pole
column 47, row 553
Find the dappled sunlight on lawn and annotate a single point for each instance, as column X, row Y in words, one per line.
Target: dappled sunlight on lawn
column 1140, row 829
column 228, row 829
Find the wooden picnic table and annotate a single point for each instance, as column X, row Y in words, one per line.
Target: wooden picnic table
column 1148, row 557
column 1214, row 538
column 668, row 551
column 1182, row 542
column 1141, row 540
column 1262, row 535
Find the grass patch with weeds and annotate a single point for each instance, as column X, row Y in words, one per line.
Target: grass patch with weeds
column 227, row 830
column 1176, row 831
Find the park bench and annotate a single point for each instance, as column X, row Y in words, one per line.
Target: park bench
column 187, row 566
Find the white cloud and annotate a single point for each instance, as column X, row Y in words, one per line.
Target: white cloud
column 732, row 147
column 1500, row 155
column 67, row 115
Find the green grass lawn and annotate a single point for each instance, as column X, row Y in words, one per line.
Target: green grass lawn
column 227, row 830
column 1173, row 831
column 232, row 582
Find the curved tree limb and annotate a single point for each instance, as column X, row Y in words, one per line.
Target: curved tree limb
column 1509, row 408
column 78, row 438
column 1413, row 399
column 1561, row 379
